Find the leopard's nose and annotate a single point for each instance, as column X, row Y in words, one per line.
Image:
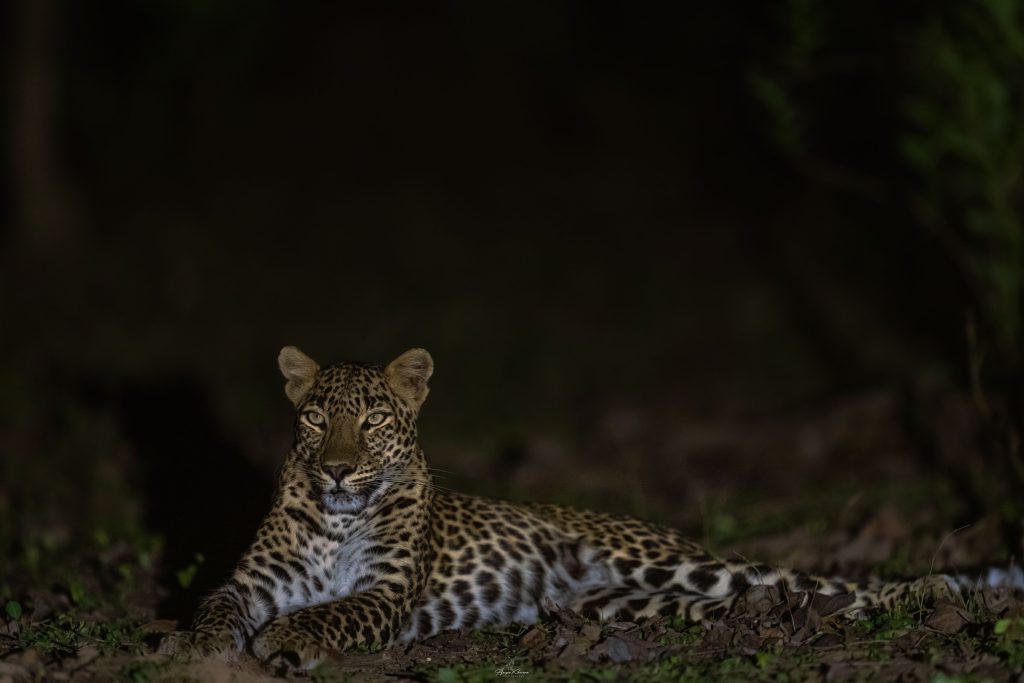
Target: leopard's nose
column 338, row 472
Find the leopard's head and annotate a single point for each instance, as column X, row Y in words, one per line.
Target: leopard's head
column 355, row 430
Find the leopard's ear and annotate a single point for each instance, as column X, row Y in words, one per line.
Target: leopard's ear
column 408, row 375
column 300, row 371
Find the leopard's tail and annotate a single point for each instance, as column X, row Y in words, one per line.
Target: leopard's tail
column 875, row 593
column 1011, row 577
column 707, row 593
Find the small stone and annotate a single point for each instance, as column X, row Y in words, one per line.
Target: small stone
column 14, row 672
column 570, row 657
column 535, row 637
column 947, row 618
column 618, row 651
column 591, row 632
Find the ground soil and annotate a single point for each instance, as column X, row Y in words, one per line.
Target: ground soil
column 887, row 482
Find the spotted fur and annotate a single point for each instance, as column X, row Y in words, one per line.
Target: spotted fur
column 360, row 549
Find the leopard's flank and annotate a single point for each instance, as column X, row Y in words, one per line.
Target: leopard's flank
column 359, row 549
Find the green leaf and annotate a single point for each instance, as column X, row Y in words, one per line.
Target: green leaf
column 187, row 575
column 1001, row 627
column 77, row 590
column 13, row 609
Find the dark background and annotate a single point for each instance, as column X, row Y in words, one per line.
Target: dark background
column 648, row 248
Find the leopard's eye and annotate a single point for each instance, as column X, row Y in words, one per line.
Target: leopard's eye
column 313, row 418
column 375, row 419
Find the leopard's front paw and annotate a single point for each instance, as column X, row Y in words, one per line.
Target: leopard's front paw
column 198, row 644
column 284, row 647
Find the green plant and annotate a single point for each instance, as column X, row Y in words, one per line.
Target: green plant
column 13, row 609
column 187, row 574
column 683, row 633
column 956, row 130
column 66, row 634
column 504, row 638
column 888, row 624
column 1009, row 640
column 776, row 86
column 966, row 145
column 79, row 596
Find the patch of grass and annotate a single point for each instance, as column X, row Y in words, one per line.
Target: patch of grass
column 960, row 678
column 506, row 639
column 598, row 673
column 507, row 668
column 683, row 633
column 66, row 635
column 733, row 668
column 145, row 671
column 764, row 659
column 328, row 673
column 465, row 672
column 888, row 624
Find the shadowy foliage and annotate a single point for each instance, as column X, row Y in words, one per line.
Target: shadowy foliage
column 949, row 87
column 965, row 142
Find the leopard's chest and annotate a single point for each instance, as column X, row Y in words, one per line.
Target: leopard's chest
column 344, row 565
column 324, row 570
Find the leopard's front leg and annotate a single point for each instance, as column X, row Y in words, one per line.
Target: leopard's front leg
column 224, row 622
column 304, row 638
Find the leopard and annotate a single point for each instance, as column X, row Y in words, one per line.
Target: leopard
column 361, row 550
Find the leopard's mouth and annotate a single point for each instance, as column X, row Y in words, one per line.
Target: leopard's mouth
column 340, row 498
